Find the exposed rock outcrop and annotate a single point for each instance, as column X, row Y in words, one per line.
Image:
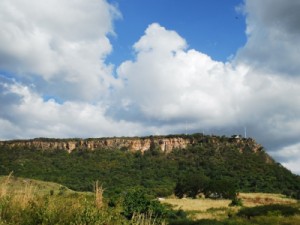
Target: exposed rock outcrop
column 163, row 143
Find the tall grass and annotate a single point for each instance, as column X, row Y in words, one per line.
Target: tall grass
column 145, row 219
column 98, row 195
column 4, row 186
column 23, row 206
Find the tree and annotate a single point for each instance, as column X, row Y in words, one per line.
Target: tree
column 136, row 201
column 223, row 188
column 191, row 185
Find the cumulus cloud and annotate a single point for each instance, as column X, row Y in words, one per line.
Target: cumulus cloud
column 27, row 115
column 168, row 83
column 64, row 43
column 273, row 36
column 289, row 157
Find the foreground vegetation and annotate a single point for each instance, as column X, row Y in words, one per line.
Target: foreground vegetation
column 26, row 201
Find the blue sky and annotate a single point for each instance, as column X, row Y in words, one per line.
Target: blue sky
column 138, row 67
column 216, row 28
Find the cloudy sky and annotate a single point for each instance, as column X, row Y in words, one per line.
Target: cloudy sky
column 140, row 67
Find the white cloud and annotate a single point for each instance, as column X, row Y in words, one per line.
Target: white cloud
column 289, row 156
column 63, row 42
column 273, row 36
column 166, row 82
column 30, row 116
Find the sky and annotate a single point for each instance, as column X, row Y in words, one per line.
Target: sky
column 103, row 68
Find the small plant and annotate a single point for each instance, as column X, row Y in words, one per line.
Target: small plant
column 98, row 195
column 144, row 219
column 62, row 190
column 4, row 186
column 236, row 202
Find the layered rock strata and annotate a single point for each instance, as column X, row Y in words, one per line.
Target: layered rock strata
column 165, row 144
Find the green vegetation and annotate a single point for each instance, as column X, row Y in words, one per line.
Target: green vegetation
column 35, row 202
column 27, row 204
column 283, row 210
column 202, row 167
column 130, row 182
column 136, row 201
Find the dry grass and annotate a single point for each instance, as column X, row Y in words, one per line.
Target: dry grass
column 219, row 209
column 201, row 208
column 25, row 197
column 21, row 197
column 255, row 199
column 144, row 219
column 4, row 185
column 98, row 195
column 11, row 184
column 187, row 204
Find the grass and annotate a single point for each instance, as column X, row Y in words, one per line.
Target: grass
column 28, row 202
column 145, row 219
column 255, row 199
column 219, row 209
column 188, row 204
column 200, row 208
column 11, row 184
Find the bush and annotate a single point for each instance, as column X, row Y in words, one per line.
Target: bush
column 177, row 215
column 236, row 202
column 264, row 210
column 136, row 201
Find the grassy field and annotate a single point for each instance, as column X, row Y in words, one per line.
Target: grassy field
column 255, row 199
column 219, row 209
column 18, row 185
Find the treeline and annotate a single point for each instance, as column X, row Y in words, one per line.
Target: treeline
column 161, row 174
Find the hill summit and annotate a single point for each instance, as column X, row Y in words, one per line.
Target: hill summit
column 163, row 143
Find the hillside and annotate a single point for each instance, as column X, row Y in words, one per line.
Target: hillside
column 158, row 168
column 12, row 184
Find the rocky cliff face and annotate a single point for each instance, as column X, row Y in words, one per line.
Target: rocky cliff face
column 164, row 143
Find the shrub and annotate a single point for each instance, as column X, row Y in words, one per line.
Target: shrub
column 236, row 202
column 276, row 209
column 136, row 201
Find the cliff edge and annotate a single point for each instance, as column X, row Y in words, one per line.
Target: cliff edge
column 164, row 143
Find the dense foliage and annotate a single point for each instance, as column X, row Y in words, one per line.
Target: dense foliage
column 205, row 163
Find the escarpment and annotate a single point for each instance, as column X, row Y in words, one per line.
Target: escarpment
column 165, row 144
column 162, row 143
